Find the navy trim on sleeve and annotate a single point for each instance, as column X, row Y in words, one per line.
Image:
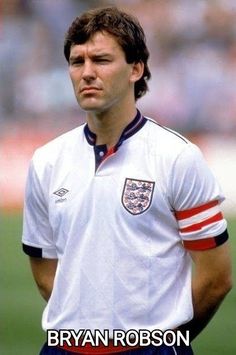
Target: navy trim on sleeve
column 32, row 251
column 221, row 238
column 206, row 243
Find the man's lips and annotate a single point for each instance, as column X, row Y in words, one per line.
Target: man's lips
column 89, row 88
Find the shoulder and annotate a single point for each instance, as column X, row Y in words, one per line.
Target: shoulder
column 165, row 133
column 59, row 146
column 56, row 155
column 167, row 142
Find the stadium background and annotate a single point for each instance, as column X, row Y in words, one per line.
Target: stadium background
column 193, row 90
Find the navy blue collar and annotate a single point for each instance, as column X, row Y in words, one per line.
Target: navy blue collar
column 133, row 127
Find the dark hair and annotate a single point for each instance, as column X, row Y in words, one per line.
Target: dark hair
column 124, row 27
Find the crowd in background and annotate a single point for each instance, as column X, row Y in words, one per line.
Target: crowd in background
column 193, row 63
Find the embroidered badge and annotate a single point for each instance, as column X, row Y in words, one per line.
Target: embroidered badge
column 137, row 195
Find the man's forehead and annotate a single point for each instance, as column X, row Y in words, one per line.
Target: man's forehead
column 99, row 42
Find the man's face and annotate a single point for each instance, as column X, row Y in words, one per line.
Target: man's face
column 100, row 75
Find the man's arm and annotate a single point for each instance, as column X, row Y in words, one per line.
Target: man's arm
column 212, row 280
column 44, row 272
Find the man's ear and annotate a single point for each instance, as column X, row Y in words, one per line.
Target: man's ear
column 137, row 71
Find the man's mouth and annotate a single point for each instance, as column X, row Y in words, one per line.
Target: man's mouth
column 89, row 89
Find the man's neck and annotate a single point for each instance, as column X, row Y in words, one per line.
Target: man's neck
column 108, row 126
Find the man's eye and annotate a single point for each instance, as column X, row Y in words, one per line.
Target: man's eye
column 76, row 62
column 102, row 60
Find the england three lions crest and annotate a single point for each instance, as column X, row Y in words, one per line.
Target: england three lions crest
column 137, row 195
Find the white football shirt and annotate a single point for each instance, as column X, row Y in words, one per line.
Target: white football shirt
column 120, row 223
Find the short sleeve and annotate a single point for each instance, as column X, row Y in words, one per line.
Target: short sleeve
column 37, row 236
column 196, row 198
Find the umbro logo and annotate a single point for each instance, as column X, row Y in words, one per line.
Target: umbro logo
column 61, row 192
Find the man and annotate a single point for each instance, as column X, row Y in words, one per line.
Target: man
column 117, row 209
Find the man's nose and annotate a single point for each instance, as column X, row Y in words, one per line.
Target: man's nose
column 89, row 72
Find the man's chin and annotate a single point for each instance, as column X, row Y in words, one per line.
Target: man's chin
column 91, row 109
column 95, row 108
column 90, row 106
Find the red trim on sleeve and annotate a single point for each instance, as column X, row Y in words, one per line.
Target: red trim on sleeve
column 207, row 243
column 189, row 213
column 198, row 226
column 200, row 244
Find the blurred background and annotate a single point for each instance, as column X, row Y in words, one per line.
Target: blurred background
column 192, row 90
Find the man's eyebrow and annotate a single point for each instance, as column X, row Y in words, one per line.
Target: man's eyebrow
column 102, row 54
column 75, row 57
column 93, row 56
